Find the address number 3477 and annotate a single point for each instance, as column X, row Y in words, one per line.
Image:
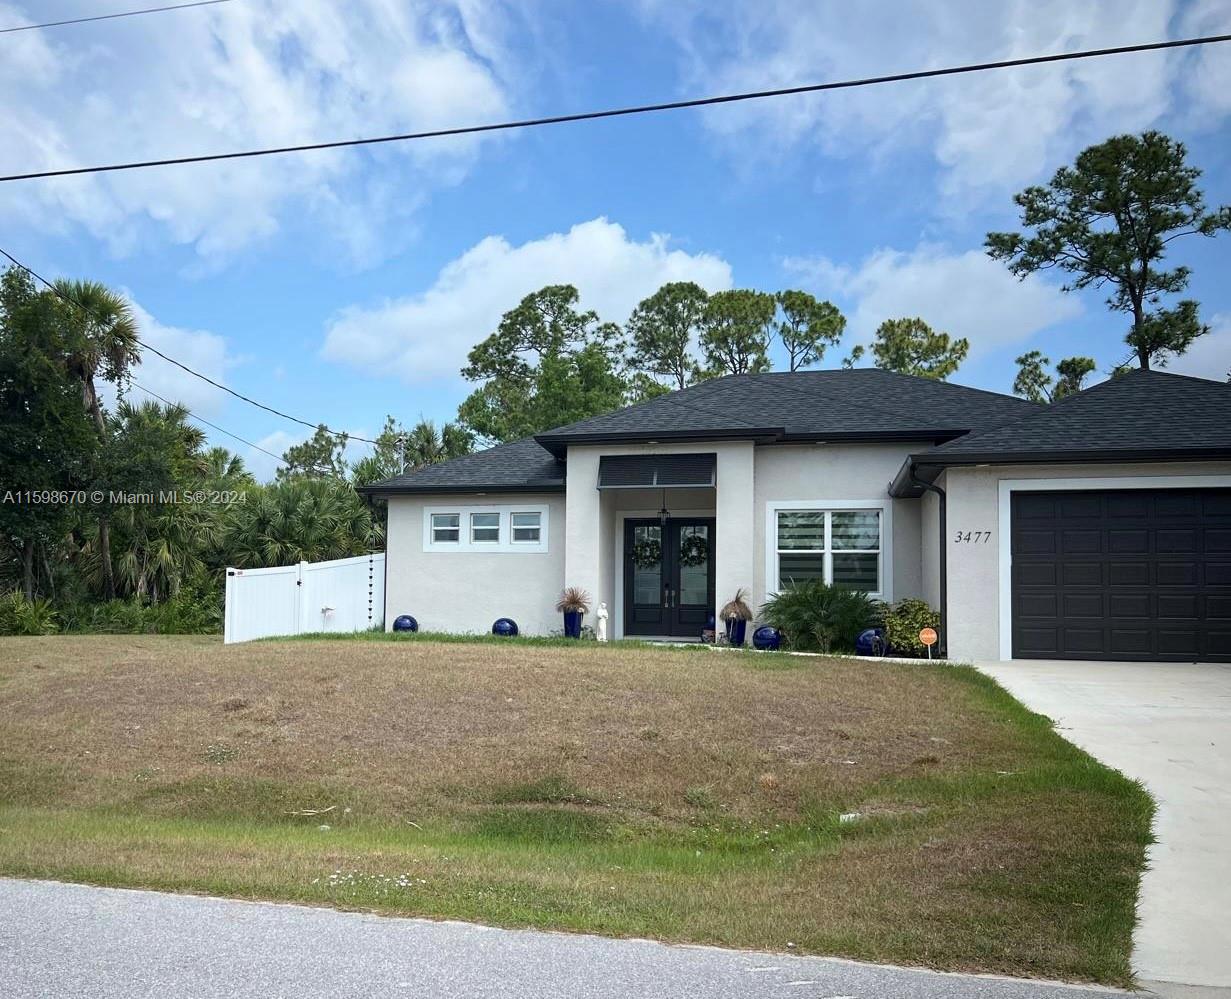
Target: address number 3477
column 972, row 537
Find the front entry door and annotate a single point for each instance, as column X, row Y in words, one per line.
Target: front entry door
column 668, row 576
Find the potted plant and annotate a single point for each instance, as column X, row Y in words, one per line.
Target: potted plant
column 736, row 613
column 574, row 602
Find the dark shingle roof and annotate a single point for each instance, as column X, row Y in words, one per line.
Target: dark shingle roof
column 861, row 404
column 522, row 466
column 858, row 404
column 1139, row 414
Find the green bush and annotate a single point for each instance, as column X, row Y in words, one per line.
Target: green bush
column 902, row 623
column 189, row 613
column 816, row 617
column 19, row 616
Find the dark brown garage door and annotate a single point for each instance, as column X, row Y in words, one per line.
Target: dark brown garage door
column 1125, row 574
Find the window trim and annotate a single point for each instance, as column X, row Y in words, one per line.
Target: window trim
column 829, row 507
column 504, row 544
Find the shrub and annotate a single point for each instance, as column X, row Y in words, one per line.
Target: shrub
column 19, row 616
column 816, row 617
column 902, row 623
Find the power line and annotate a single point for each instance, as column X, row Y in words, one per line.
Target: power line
column 108, row 17
column 179, row 364
column 814, row 88
column 214, row 426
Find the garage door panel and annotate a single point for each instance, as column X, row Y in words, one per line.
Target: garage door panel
column 1128, row 574
column 1081, row 542
column 1135, row 541
column 1082, row 639
column 1179, row 643
column 1029, row 542
column 1034, row 573
column 1186, row 540
column 1081, row 573
column 1131, row 641
column 1177, row 574
column 1078, row 605
column 1128, row 605
column 1122, row 574
column 1179, row 605
column 1075, row 506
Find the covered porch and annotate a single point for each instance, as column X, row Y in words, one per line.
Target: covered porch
column 662, row 535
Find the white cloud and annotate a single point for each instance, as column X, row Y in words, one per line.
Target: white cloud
column 237, row 76
column 427, row 336
column 988, row 133
column 1210, row 355
column 200, row 350
column 262, row 465
column 965, row 294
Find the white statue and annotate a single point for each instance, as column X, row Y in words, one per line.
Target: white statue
column 601, row 617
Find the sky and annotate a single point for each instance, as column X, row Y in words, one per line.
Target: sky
column 345, row 285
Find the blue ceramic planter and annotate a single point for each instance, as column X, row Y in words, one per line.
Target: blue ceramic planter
column 404, row 622
column 736, row 630
column 572, row 624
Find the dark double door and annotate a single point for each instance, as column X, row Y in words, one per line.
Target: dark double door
column 668, row 576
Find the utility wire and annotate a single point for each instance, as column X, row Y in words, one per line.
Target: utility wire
column 108, row 17
column 814, row 88
column 179, row 364
column 214, row 426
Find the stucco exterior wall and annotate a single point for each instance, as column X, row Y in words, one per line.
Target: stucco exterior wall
column 929, row 537
column 839, row 472
column 465, row 591
column 979, row 572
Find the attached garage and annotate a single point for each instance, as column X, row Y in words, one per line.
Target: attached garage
column 1121, row 574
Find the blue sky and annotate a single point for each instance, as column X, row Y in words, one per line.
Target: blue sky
column 342, row 286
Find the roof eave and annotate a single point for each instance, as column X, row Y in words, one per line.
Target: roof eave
column 379, row 490
column 558, row 445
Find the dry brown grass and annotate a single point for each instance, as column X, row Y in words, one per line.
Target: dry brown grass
column 682, row 794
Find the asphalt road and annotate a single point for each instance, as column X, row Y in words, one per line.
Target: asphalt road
column 97, row 943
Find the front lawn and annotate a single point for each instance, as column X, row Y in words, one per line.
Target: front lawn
column 904, row 813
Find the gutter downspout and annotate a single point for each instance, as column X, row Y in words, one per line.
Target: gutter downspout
column 943, row 554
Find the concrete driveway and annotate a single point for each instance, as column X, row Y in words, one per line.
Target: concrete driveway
column 1168, row 726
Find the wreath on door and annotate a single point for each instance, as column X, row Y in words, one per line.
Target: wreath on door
column 647, row 554
column 694, row 550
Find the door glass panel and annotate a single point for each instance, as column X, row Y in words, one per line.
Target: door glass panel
column 647, row 564
column 694, row 559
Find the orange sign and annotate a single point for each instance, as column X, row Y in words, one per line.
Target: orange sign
column 928, row 636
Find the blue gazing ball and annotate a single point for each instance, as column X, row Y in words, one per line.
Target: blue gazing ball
column 767, row 639
column 505, row 627
column 404, row 622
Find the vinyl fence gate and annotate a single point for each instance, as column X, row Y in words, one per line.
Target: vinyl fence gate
column 343, row 595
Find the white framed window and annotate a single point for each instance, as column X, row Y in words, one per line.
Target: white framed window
column 841, row 544
column 446, row 528
column 485, row 528
column 527, row 527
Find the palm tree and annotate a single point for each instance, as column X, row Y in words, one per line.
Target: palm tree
column 104, row 343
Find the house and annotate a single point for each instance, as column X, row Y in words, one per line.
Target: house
column 1095, row 528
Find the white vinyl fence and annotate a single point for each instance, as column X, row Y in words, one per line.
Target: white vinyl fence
column 347, row 594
